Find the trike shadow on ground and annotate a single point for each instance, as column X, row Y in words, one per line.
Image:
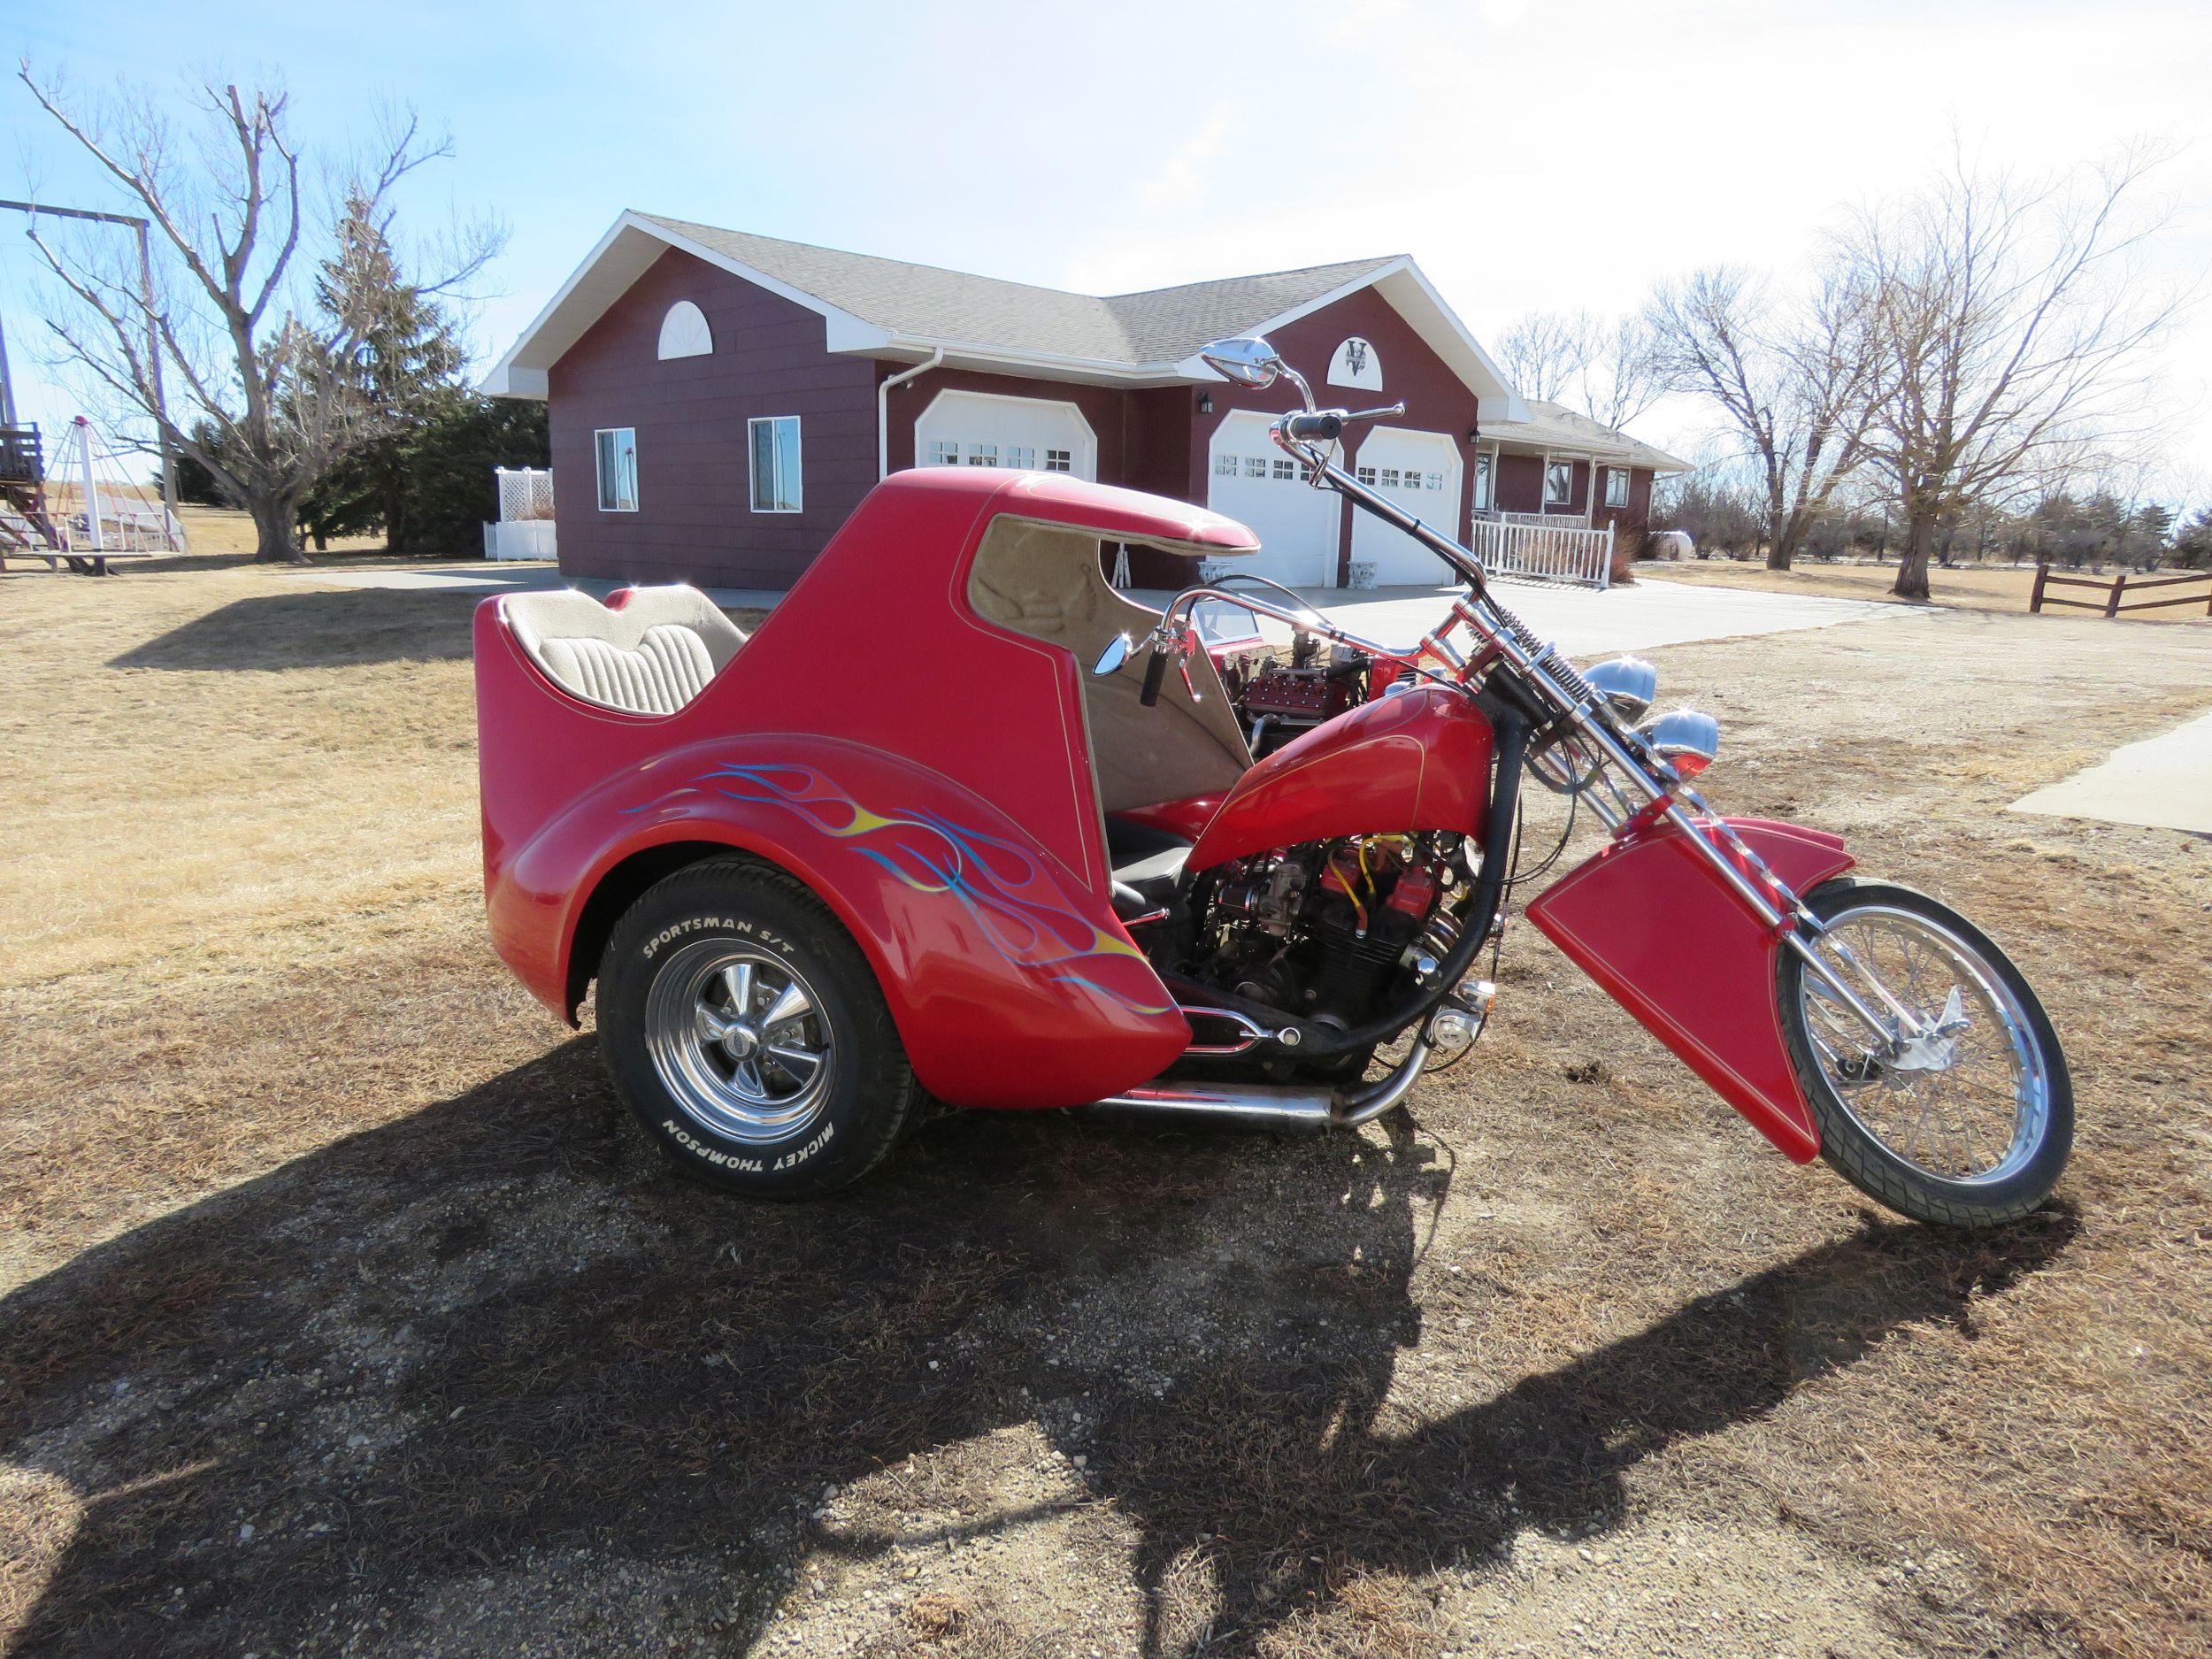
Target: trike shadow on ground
column 333, row 1407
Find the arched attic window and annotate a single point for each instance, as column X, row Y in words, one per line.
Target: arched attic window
column 685, row 333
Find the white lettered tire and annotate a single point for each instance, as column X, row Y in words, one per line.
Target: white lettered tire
column 746, row 1030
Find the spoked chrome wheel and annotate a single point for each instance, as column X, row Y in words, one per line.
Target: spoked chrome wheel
column 740, row 1040
column 1966, row 1117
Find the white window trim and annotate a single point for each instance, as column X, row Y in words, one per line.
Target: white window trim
column 1612, row 472
column 599, row 469
column 798, row 485
column 1485, row 471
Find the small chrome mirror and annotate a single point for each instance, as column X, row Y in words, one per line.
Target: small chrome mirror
column 1113, row 656
column 1248, row 360
column 1687, row 737
column 1629, row 683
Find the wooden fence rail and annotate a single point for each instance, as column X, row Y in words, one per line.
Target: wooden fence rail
column 2115, row 592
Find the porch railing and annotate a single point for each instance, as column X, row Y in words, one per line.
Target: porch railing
column 1546, row 552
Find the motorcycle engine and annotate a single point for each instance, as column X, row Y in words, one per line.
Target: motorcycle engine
column 1332, row 931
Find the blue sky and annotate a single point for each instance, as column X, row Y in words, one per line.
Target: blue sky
column 1527, row 155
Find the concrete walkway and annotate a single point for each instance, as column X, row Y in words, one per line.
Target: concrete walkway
column 2164, row 782
column 1582, row 622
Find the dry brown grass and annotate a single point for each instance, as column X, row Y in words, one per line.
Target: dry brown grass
column 1967, row 588
column 313, row 1224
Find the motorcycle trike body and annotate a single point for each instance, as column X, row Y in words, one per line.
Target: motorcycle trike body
column 959, row 821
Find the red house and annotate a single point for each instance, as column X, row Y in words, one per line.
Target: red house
column 719, row 402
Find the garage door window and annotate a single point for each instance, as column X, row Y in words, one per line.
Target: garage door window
column 1022, row 456
column 983, row 455
column 775, row 464
column 1059, row 461
column 942, row 453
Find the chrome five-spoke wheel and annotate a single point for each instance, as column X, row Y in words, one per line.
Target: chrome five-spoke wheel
column 740, row 1040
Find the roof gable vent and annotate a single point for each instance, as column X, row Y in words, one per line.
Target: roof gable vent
column 685, row 333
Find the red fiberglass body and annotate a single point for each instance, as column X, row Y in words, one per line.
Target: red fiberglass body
column 925, row 772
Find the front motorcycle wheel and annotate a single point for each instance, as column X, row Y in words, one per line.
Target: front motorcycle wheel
column 1972, row 1123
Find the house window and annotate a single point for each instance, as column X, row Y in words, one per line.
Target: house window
column 943, row 453
column 1256, row 466
column 1063, row 461
column 1617, row 487
column 983, row 455
column 1482, row 483
column 1225, row 467
column 1022, row 456
column 775, row 464
column 1559, row 483
column 1284, row 469
column 617, row 448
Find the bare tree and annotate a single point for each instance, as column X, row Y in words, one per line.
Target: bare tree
column 2013, row 326
column 1791, row 380
column 1606, row 370
column 259, row 389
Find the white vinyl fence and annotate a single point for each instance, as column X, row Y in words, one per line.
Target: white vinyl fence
column 1542, row 552
column 525, row 530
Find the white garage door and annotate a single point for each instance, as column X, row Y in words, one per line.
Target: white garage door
column 1257, row 483
column 1034, row 434
column 1419, row 471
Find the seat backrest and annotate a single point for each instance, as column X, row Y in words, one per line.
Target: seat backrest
column 650, row 653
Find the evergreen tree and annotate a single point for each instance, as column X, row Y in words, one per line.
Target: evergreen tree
column 407, row 367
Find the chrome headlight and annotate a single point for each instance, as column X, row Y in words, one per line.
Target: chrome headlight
column 1687, row 738
column 1629, row 683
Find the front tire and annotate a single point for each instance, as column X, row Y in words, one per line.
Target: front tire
column 1970, row 1127
column 744, row 1027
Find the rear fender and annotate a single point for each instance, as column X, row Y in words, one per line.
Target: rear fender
column 1010, row 985
column 1652, row 922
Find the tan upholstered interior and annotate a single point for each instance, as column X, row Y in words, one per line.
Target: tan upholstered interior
column 651, row 657
column 1045, row 581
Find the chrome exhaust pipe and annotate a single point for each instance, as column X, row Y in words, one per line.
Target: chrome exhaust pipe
column 1286, row 1109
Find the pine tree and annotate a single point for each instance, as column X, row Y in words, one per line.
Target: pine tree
column 408, row 368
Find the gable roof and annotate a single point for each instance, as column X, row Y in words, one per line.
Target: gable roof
column 1555, row 427
column 892, row 309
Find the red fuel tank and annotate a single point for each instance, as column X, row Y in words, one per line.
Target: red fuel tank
column 1419, row 760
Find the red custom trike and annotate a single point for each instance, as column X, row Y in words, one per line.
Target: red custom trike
column 947, row 824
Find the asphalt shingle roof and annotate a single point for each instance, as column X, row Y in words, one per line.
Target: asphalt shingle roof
column 1561, row 427
column 918, row 301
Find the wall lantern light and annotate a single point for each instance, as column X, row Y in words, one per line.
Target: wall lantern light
column 1205, row 403
column 1474, row 435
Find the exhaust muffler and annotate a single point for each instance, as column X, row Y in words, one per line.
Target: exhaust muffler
column 1286, row 1109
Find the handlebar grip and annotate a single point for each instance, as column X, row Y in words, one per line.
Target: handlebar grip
column 1155, row 671
column 1326, row 428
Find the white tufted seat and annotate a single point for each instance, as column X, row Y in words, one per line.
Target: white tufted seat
column 651, row 656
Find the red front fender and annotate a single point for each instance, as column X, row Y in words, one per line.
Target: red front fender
column 1651, row 921
column 1010, row 985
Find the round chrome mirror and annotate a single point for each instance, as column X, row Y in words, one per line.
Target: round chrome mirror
column 1629, row 683
column 1113, row 656
column 1248, row 360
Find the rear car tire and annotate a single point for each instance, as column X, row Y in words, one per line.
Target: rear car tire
column 744, row 1027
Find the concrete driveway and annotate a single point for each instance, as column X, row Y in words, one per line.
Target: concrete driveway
column 1584, row 623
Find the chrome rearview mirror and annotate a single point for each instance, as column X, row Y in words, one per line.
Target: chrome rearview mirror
column 1113, row 656
column 1629, row 683
column 1248, row 360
